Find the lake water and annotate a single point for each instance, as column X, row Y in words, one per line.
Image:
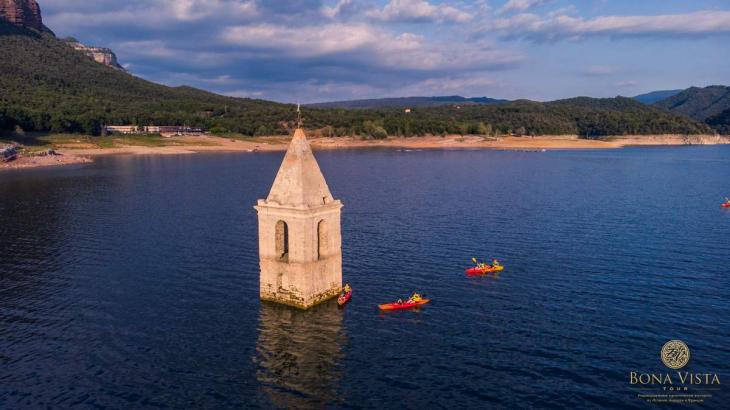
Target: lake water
column 133, row 282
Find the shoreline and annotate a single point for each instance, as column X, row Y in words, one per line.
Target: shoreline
column 31, row 162
column 80, row 153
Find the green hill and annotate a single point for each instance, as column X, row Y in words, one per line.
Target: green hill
column 699, row 103
column 408, row 102
column 45, row 85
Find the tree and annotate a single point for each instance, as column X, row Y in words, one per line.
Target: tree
column 374, row 129
column 484, row 129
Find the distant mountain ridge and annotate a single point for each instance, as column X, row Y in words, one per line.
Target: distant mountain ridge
column 699, row 103
column 408, row 102
column 656, row 96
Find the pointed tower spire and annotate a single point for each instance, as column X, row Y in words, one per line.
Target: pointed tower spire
column 299, row 182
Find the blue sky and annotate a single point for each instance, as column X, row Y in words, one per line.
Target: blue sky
column 323, row 50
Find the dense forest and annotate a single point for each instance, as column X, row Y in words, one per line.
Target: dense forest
column 47, row 86
column 698, row 103
column 721, row 122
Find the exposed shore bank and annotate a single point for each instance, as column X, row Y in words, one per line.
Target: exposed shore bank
column 24, row 162
column 76, row 151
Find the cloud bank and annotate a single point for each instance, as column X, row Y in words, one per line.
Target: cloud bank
column 558, row 27
column 314, row 50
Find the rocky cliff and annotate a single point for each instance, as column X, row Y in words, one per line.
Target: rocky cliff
column 24, row 13
column 27, row 14
column 100, row 55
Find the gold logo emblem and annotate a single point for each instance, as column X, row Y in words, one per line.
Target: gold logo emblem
column 675, row 354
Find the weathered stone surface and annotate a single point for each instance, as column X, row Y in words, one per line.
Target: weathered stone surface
column 100, row 55
column 300, row 244
column 24, row 13
column 299, row 182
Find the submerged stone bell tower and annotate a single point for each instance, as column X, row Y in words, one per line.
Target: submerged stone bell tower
column 300, row 247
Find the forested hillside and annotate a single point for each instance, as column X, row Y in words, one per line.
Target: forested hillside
column 699, row 103
column 721, row 122
column 45, row 85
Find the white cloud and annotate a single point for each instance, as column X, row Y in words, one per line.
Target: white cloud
column 365, row 43
column 626, row 84
column 157, row 50
column 469, row 85
column 146, row 48
column 191, row 10
column 520, row 5
column 419, row 11
column 338, row 9
column 308, row 41
column 155, row 13
column 244, row 93
column 600, row 70
column 562, row 26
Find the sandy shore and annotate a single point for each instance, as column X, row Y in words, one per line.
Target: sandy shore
column 189, row 145
column 48, row 161
column 80, row 153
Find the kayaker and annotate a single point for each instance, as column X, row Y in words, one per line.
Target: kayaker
column 495, row 263
column 400, row 301
column 347, row 289
column 415, row 298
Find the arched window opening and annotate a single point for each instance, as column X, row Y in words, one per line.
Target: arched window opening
column 282, row 241
column 322, row 239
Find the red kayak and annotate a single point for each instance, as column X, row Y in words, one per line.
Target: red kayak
column 344, row 298
column 481, row 271
column 726, row 205
column 403, row 305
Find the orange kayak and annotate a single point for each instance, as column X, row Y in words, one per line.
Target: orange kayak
column 404, row 305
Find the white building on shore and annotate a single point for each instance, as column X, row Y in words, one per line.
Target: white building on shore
column 153, row 129
column 121, row 129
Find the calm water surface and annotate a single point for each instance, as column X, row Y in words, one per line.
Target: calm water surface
column 133, row 282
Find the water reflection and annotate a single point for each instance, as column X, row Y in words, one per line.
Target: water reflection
column 298, row 354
